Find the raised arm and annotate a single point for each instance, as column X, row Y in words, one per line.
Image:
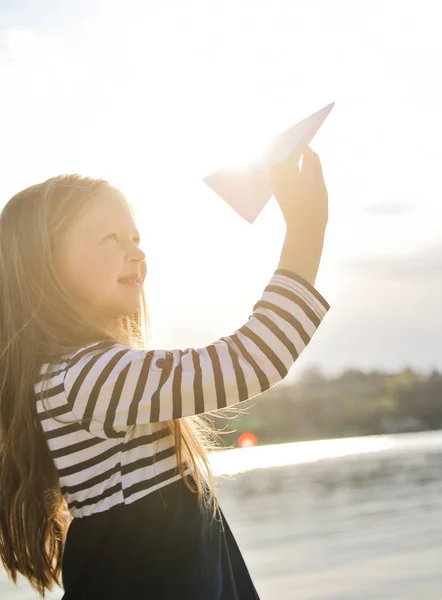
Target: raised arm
column 110, row 387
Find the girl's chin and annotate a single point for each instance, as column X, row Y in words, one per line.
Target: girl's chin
column 123, row 309
column 128, row 309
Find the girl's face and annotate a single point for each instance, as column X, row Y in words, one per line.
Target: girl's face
column 100, row 261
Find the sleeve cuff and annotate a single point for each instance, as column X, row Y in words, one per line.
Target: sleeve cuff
column 304, row 289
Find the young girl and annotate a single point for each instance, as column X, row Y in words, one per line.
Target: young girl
column 96, row 427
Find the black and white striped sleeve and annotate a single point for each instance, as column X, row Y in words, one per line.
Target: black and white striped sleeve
column 110, row 387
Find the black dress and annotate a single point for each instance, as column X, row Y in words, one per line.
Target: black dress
column 162, row 546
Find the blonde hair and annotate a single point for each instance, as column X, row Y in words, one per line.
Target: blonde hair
column 39, row 321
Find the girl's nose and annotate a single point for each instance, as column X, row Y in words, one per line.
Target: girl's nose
column 137, row 254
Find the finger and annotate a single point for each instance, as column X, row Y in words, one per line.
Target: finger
column 307, row 170
column 307, row 159
column 287, row 168
column 319, row 177
column 317, row 166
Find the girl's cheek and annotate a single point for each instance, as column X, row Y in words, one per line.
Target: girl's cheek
column 113, row 256
column 106, row 265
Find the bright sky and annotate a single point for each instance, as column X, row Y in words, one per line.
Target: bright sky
column 155, row 95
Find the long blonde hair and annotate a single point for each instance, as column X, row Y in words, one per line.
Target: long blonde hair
column 39, row 321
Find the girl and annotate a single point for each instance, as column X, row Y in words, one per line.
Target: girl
column 105, row 485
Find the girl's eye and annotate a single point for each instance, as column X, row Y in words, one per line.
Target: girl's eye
column 115, row 236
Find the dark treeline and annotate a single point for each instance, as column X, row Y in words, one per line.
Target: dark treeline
column 352, row 404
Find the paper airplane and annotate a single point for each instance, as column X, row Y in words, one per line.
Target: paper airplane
column 247, row 190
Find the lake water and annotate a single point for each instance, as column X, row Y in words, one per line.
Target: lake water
column 352, row 519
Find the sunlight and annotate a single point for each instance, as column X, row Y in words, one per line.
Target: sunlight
column 239, row 460
column 245, row 147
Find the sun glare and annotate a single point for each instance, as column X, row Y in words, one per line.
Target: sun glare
column 240, row 152
column 238, row 145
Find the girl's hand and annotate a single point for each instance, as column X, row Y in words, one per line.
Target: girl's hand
column 301, row 193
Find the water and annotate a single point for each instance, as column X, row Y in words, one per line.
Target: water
column 352, row 519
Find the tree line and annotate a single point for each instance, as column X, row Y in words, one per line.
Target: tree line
column 355, row 403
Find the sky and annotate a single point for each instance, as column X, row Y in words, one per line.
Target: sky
column 155, row 95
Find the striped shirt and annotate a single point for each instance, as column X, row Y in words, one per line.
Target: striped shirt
column 108, row 403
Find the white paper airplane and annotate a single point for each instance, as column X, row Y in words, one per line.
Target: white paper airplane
column 247, row 190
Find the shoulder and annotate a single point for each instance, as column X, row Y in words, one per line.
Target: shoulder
column 111, row 355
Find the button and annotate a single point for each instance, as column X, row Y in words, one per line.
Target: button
column 160, row 362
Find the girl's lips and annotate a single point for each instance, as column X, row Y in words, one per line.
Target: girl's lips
column 133, row 279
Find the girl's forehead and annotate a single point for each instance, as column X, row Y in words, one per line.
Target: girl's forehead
column 110, row 208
